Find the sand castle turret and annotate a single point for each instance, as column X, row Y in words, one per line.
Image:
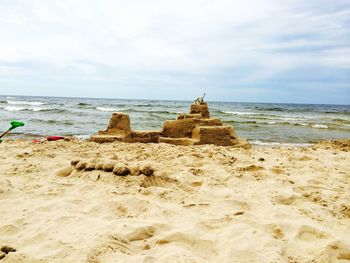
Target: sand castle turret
column 119, row 123
column 200, row 108
column 194, row 128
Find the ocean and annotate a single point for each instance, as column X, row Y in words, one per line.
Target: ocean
column 260, row 123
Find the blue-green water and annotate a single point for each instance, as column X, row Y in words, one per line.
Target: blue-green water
column 258, row 122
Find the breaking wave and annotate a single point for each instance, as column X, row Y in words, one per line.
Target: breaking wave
column 34, row 109
column 14, row 108
column 107, row 109
column 305, row 124
column 240, row 113
column 319, row 126
column 20, row 102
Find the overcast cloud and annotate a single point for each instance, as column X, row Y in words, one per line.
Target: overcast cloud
column 251, row 50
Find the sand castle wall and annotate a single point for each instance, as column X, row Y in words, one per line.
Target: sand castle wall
column 184, row 127
column 194, row 128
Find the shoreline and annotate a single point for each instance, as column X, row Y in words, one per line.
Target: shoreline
column 253, row 142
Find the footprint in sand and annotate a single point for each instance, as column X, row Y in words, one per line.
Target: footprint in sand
column 285, row 199
column 204, row 248
column 111, row 244
column 9, row 229
column 141, row 233
column 334, row 252
column 308, row 233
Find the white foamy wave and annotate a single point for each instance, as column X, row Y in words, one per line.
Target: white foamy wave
column 19, row 102
column 240, row 113
column 14, row 108
column 38, row 109
column 319, row 126
column 23, row 108
column 106, row 109
column 261, row 143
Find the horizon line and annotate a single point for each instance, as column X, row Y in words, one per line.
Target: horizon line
column 103, row 98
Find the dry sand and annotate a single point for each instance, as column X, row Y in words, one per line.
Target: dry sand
column 203, row 203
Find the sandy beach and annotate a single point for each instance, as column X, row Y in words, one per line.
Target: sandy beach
column 202, row 204
column 175, row 131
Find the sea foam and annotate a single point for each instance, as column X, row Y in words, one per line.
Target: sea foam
column 240, row 113
column 20, row 102
column 319, row 126
column 106, row 109
column 14, row 108
column 23, row 108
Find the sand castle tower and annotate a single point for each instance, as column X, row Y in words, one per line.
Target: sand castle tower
column 194, row 128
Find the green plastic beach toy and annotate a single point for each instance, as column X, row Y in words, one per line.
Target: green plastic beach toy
column 14, row 125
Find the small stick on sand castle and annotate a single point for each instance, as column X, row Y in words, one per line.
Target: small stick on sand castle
column 195, row 128
column 199, row 100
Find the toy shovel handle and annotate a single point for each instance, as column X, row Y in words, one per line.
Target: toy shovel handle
column 14, row 125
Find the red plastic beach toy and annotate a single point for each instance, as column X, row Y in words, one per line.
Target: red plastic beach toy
column 55, row 138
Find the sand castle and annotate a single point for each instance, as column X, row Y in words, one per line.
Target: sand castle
column 194, row 128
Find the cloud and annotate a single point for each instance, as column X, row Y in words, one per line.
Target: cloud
column 223, row 44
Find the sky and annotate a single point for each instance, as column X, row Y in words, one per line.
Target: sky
column 239, row 50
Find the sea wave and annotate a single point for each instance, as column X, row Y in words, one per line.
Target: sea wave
column 111, row 109
column 14, row 108
column 20, row 102
column 107, row 109
column 270, row 109
column 163, row 112
column 305, row 124
column 34, row 109
column 240, row 113
column 319, row 126
column 39, row 109
column 53, row 122
column 146, row 105
column 293, row 119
